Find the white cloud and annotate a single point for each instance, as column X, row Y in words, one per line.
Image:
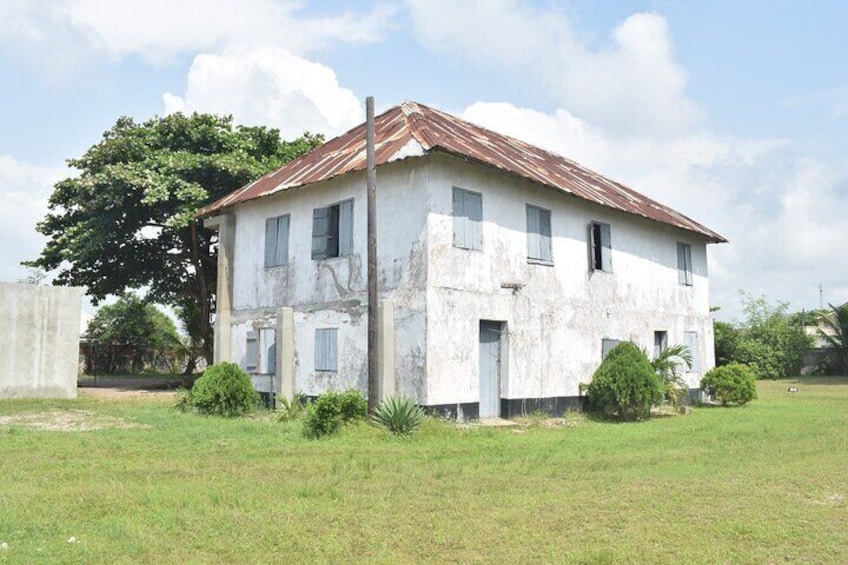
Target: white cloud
column 268, row 85
column 157, row 31
column 24, row 190
column 632, row 84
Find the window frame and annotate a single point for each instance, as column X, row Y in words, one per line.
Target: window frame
column 600, row 247
column 684, row 264
column 273, row 256
column 332, row 230
column 467, row 214
column 539, row 243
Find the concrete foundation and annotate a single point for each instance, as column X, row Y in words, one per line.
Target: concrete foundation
column 40, row 332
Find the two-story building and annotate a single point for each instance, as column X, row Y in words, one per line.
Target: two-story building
column 505, row 271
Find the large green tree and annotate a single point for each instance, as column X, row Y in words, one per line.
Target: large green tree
column 127, row 335
column 127, row 221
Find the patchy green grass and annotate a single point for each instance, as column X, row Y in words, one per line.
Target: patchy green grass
column 763, row 483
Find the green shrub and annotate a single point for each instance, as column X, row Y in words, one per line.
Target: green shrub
column 625, row 386
column 224, row 390
column 331, row 410
column 288, row 410
column 398, row 414
column 731, row 384
column 768, row 342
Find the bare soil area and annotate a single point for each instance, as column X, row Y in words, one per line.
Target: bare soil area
column 128, row 388
column 66, row 421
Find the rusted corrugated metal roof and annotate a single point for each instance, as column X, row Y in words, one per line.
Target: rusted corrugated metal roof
column 412, row 129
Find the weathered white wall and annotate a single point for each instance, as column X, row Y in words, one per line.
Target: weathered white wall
column 332, row 292
column 558, row 318
column 555, row 321
column 39, row 330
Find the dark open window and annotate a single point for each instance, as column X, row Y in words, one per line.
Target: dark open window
column 600, row 247
column 332, row 230
column 684, row 263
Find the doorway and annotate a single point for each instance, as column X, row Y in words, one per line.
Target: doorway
column 491, row 355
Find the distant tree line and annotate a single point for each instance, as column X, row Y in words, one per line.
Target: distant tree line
column 772, row 341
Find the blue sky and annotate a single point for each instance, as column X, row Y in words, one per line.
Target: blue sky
column 734, row 113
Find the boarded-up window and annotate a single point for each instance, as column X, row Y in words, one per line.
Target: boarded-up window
column 467, row 219
column 277, row 241
column 600, row 247
column 251, row 352
column 690, row 340
column 326, row 349
column 539, row 234
column 684, row 263
column 608, row 345
column 332, row 230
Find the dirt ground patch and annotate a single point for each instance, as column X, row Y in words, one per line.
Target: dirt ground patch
column 115, row 393
column 66, row 421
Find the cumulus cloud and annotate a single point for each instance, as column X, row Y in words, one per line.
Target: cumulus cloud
column 24, row 190
column 157, row 31
column 268, row 85
column 630, row 83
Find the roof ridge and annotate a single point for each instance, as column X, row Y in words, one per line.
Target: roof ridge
column 435, row 129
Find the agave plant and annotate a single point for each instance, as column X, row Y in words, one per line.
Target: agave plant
column 670, row 365
column 398, row 414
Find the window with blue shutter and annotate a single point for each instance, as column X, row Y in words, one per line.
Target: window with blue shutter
column 467, row 219
column 608, row 345
column 332, row 230
column 251, row 352
column 600, row 247
column 326, row 358
column 684, row 263
column 268, row 351
column 277, row 241
column 539, row 234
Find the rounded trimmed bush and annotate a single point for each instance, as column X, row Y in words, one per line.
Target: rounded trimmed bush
column 625, row 386
column 731, row 384
column 224, row 390
column 333, row 409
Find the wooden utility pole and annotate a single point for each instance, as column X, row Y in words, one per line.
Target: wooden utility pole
column 371, row 183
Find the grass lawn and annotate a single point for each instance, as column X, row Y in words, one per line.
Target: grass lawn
column 764, row 483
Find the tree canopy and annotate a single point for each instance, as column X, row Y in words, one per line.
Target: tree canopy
column 127, row 335
column 127, row 221
column 770, row 340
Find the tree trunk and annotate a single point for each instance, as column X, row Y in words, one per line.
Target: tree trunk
column 203, row 293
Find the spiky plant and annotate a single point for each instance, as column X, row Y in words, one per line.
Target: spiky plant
column 670, row 366
column 835, row 332
column 398, row 414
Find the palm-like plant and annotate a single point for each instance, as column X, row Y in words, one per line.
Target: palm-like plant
column 670, row 365
column 835, row 332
